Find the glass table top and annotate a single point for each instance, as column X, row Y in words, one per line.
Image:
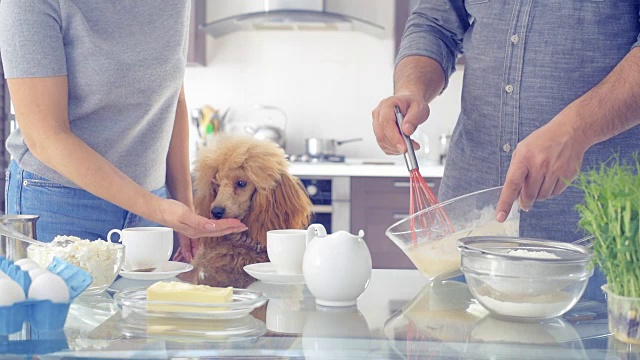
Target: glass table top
column 400, row 316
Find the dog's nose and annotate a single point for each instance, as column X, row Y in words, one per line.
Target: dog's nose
column 218, row 212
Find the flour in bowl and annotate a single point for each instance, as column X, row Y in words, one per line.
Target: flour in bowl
column 541, row 306
column 533, row 254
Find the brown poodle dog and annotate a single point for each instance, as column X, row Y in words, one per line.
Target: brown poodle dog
column 247, row 179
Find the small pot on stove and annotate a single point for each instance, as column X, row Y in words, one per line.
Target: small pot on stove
column 324, row 147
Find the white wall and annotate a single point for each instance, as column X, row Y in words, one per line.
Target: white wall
column 327, row 82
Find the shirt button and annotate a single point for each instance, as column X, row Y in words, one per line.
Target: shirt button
column 514, row 39
column 506, row 147
column 508, row 89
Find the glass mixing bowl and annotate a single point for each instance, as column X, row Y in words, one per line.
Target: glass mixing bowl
column 430, row 241
column 103, row 260
column 525, row 279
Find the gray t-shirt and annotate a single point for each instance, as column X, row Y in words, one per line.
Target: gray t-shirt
column 125, row 63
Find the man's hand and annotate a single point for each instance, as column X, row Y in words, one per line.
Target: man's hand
column 542, row 165
column 417, row 81
column 552, row 155
column 415, row 110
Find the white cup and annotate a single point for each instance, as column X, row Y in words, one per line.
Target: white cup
column 145, row 247
column 285, row 249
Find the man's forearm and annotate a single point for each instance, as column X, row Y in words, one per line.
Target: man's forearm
column 419, row 75
column 612, row 106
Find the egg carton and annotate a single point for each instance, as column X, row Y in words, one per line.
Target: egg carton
column 43, row 315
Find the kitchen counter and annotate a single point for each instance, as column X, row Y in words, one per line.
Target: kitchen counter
column 361, row 167
column 399, row 316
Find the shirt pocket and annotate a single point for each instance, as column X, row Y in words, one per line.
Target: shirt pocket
column 475, row 2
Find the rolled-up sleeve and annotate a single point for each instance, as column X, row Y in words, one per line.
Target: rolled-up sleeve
column 435, row 29
column 31, row 41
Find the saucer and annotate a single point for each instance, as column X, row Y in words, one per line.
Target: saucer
column 267, row 272
column 166, row 271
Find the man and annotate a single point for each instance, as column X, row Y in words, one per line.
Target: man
column 549, row 88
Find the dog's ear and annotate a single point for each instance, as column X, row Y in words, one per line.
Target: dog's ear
column 202, row 200
column 203, row 195
column 286, row 206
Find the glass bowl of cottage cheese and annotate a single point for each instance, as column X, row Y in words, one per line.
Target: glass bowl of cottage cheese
column 525, row 279
column 102, row 259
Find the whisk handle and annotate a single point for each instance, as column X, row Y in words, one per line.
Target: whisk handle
column 410, row 155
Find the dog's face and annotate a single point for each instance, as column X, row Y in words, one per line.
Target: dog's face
column 232, row 193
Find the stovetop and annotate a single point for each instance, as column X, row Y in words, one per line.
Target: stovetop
column 304, row 158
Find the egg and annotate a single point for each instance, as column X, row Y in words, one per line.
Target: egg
column 49, row 286
column 29, row 266
column 10, row 292
column 25, row 261
column 34, row 273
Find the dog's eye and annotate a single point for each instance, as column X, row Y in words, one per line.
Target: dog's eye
column 242, row 184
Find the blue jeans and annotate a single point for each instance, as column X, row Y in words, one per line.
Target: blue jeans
column 64, row 210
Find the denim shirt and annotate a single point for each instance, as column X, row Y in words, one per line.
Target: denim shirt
column 524, row 61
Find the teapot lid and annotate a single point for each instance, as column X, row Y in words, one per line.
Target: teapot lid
column 348, row 235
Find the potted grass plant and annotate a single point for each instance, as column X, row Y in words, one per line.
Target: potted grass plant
column 611, row 213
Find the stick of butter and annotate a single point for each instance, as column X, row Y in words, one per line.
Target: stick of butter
column 179, row 292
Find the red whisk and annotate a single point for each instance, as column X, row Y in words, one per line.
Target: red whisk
column 421, row 196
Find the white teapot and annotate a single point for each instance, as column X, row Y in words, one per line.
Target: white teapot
column 336, row 267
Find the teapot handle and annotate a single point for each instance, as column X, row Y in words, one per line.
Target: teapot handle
column 315, row 230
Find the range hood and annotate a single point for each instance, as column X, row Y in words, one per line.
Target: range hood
column 284, row 15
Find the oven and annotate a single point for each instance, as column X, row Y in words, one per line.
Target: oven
column 331, row 199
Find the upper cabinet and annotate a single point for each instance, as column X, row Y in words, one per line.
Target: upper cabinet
column 197, row 54
column 403, row 10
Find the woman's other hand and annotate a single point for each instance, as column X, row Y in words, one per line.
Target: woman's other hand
column 187, row 250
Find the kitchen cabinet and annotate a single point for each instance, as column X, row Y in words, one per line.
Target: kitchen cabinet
column 403, row 10
column 376, row 204
column 197, row 52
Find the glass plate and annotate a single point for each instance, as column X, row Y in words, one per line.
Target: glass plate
column 196, row 330
column 244, row 302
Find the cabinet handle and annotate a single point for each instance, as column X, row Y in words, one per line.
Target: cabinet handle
column 406, row 184
column 400, row 216
column 401, row 184
column 322, row 209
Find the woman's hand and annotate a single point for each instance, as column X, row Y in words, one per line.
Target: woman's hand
column 415, row 110
column 180, row 218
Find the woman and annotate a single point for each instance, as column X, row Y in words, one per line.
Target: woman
column 102, row 120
